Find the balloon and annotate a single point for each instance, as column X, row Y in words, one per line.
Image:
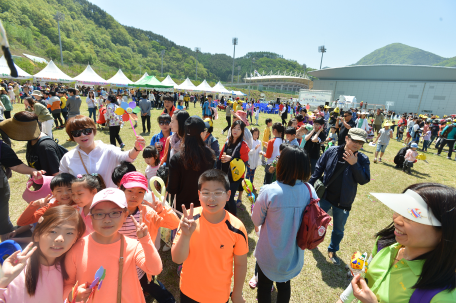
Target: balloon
column 162, row 184
column 237, row 167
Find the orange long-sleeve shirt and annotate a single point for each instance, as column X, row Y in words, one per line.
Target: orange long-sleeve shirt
column 86, row 256
column 33, row 213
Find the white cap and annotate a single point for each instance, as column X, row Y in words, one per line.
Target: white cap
column 114, row 195
column 410, row 205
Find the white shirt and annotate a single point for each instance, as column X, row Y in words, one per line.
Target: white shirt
column 254, row 154
column 101, row 160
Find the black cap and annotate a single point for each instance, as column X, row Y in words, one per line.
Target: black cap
column 194, row 126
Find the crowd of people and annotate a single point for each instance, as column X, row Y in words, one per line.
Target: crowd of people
column 89, row 206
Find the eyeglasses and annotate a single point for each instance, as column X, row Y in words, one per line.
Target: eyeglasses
column 357, row 141
column 208, row 194
column 164, row 122
column 112, row 215
column 346, row 115
column 79, row 132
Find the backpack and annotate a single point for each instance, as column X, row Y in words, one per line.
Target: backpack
column 7, row 170
column 400, row 156
column 313, row 226
column 447, row 131
column 62, row 150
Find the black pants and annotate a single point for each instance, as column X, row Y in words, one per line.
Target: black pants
column 57, row 119
column 5, row 223
column 145, row 119
column 228, row 119
column 264, row 289
column 267, row 175
column 185, row 299
column 65, row 115
column 7, row 114
column 114, row 134
column 157, row 291
column 450, row 144
column 231, row 204
column 186, row 104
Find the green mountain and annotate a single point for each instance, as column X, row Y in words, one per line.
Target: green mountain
column 90, row 35
column 398, row 53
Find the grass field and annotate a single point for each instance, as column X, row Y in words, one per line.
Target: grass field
column 319, row 281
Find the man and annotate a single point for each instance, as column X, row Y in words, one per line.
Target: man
column 349, row 167
column 378, row 120
column 449, row 138
column 313, row 142
column 207, row 112
column 355, row 115
column 344, row 124
column 73, row 103
column 145, row 106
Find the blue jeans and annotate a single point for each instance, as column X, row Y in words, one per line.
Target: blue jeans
column 340, row 217
column 93, row 112
column 250, row 173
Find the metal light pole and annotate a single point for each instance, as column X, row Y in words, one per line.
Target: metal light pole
column 162, row 53
column 304, row 66
column 235, row 42
column 239, row 70
column 322, row 50
column 59, row 17
column 197, row 50
column 251, row 64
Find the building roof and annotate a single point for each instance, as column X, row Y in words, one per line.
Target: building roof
column 388, row 72
column 278, row 78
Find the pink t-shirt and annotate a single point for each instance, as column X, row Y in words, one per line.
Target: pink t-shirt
column 411, row 155
column 87, row 220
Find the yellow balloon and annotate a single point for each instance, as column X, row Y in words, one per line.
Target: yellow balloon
column 237, row 168
column 119, row 111
column 154, row 190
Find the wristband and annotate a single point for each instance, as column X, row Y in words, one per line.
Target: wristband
column 135, row 148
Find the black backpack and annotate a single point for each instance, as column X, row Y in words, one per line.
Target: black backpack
column 62, row 150
column 400, row 156
column 7, row 170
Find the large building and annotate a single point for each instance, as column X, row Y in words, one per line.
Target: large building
column 290, row 83
column 412, row 88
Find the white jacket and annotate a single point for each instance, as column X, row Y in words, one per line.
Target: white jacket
column 364, row 126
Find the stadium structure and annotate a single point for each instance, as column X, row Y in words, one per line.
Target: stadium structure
column 285, row 81
column 410, row 88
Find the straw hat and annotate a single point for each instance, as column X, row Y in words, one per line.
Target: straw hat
column 387, row 123
column 37, row 93
column 21, row 131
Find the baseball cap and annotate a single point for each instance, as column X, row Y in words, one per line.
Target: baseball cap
column 414, row 145
column 114, row 195
column 194, row 126
column 357, row 134
column 409, row 205
column 208, row 122
column 134, row 179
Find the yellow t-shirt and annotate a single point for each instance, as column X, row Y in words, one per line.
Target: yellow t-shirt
column 63, row 100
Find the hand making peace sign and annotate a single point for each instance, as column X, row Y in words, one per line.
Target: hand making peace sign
column 15, row 264
column 141, row 227
column 187, row 223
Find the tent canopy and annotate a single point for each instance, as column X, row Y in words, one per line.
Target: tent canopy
column 238, row 93
column 6, row 73
column 204, row 87
column 169, row 81
column 219, row 88
column 143, row 76
column 187, row 85
column 119, row 79
column 152, row 82
column 90, row 77
column 51, row 73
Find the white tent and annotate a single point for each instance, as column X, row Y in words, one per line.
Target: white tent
column 237, row 93
column 6, row 73
column 119, row 79
column 143, row 76
column 204, row 87
column 90, row 77
column 219, row 88
column 187, row 85
column 169, row 81
column 51, row 73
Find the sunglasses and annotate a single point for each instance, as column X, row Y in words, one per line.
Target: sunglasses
column 79, row 132
column 164, row 122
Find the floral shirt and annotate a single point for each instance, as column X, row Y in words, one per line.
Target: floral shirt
column 114, row 119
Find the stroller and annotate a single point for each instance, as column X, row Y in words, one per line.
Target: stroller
column 400, row 157
column 101, row 117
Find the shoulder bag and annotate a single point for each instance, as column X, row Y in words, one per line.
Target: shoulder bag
column 320, row 187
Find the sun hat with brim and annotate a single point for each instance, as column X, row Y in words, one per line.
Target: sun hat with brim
column 409, row 205
column 357, row 134
column 37, row 93
column 243, row 116
column 21, row 131
column 387, row 123
column 114, row 195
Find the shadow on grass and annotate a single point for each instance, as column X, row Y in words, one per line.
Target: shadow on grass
column 415, row 173
column 333, row 275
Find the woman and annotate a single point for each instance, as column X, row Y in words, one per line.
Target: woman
column 44, row 116
column 278, row 210
column 173, row 142
column 414, row 257
column 234, row 148
column 55, row 103
column 362, row 123
column 114, row 121
column 6, row 102
column 187, row 165
column 91, row 156
column 92, row 105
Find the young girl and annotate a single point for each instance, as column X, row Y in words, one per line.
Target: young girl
column 152, row 159
column 234, row 148
column 254, row 154
column 36, row 274
column 179, row 105
column 272, row 150
column 83, row 189
column 257, row 115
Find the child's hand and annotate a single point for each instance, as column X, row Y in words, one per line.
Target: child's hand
column 83, row 292
column 43, row 201
column 15, row 264
column 256, row 147
column 237, row 298
column 271, row 169
column 187, row 223
column 225, row 158
column 157, row 206
column 141, row 228
column 140, row 143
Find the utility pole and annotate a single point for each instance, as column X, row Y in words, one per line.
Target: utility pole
column 59, row 17
column 235, row 42
column 322, row 50
column 162, row 53
column 251, row 64
column 197, row 50
column 239, row 70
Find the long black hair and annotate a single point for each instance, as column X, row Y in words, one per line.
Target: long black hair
column 440, row 263
column 181, row 116
column 194, row 153
column 241, row 137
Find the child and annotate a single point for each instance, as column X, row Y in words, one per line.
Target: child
column 135, row 185
column 120, row 171
column 273, row 150
column 332, row 135
column 108, row 248
column 384, row 135
column 36, row 274
column 290, row 135
column 266, row 138
column 254, row 155
column 61, row 195
column 400, row 132
column 410, row 158
column 210, row 140
column 180, row 106
column 293, row 122
column 426, row 139
column 370, row 132
column 83, row 189
column 208, row 242
column 257, row 115
column 152, row 159
column 159, row 139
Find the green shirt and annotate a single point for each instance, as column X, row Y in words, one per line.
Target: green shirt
column 6, row 102
column 393, row 283
column 41, row 111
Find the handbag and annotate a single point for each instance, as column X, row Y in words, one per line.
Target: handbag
column 320, row 187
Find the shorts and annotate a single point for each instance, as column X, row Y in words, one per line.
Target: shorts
column 381, row 147
column 377, row 127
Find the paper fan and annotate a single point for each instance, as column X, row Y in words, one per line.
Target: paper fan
column 126, row 109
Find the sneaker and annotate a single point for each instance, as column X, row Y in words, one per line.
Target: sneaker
column 333, row 258
column 223, row 132
column 375, row 160
column 437, row 154
column 122, row 146
column 448, row 158
column 379, row 159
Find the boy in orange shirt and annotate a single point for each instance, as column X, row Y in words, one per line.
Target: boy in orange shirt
column 208, row 240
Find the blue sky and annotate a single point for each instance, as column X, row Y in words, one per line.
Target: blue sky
column 295, row 29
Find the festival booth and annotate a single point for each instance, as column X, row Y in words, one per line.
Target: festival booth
column 168, row 81
column 119, row 80
column 143, row 76
column 51, row 73
column 187, row 85
column 238, row 93
column 150, row 82
column 220, row 89
column 5, row 72
column 204, row 87
column 90, row 77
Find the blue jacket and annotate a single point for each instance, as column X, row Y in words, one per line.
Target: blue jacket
column 206, row 110
column 452, row 133
column 353, row 175
column 156, row 138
